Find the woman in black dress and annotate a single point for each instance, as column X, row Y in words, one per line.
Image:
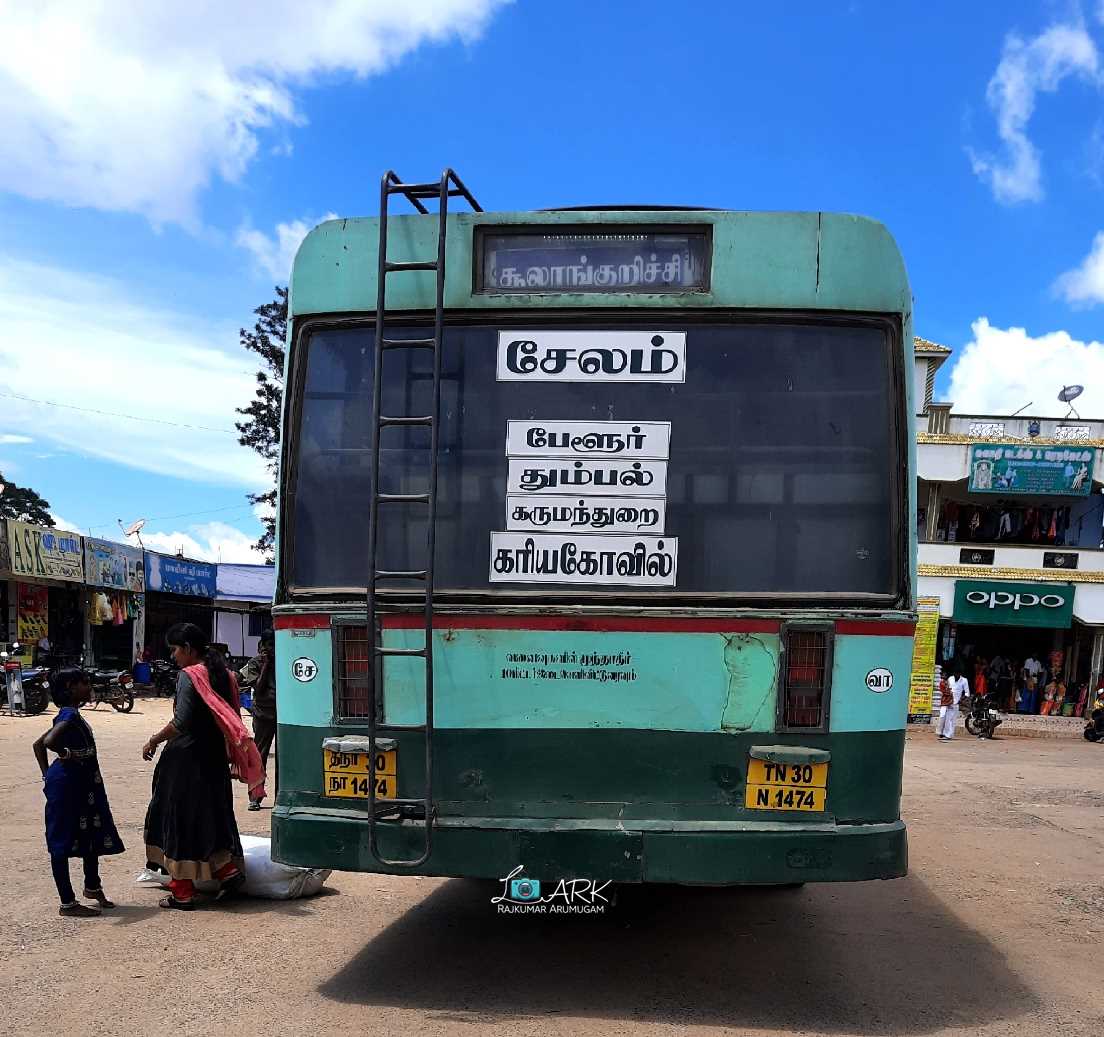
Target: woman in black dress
column 190, row 829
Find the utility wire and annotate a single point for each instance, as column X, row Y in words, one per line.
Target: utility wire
column 113, row 414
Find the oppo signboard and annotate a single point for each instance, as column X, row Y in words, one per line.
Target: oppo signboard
column 992, row 603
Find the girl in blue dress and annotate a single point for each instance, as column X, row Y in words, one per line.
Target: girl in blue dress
column 78, row 818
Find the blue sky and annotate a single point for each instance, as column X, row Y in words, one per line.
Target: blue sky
column 159, row 166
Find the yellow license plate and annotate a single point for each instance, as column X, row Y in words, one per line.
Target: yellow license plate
column 346, row 775
column 786, row 786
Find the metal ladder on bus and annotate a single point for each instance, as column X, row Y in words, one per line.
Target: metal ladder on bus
column 450, row 186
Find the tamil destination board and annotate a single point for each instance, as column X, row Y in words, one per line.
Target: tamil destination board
column 1002, row 603
column 1011, row 468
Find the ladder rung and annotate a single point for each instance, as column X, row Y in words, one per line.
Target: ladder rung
column 418, row 190
column 400, row 651
column 393, row 267
column 426, row 419
column 403, row 498
column 401, row 574
column 424, row 190
column 409, row 343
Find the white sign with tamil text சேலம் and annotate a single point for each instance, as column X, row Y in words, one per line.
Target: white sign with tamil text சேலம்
column 592, row 356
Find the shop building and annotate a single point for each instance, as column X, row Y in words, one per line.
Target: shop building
column 114, row 603
column 178, row 590
column 1010, row 523
column 44, row 571
column 243, row 607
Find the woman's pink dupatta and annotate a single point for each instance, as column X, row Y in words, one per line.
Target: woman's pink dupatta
column 241, row 751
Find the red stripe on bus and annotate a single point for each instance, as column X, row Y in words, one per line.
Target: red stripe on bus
column 643, row 624
column 873, row 628
column 318, row 622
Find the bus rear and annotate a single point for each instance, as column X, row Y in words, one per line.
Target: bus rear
column 657, row 467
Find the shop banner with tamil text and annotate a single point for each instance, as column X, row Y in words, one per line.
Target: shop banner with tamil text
column 180, row 576
column 1012, row 468
column 107, row 564
column 45, row 554
column 922, row 683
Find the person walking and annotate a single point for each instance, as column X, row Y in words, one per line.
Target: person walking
column 190, row 829
column 260, row 673
column 950, row 696
column 78, row 817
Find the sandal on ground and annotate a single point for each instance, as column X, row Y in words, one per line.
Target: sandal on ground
column 99, row 896
column 170, row 902
column 254, row 804
column 231, row 887
column 76, row 910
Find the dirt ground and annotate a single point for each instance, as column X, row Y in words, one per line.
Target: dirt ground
column 999, row 928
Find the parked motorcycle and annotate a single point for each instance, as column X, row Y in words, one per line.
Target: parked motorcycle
column 30, row 687
column 115, row 687
column 1094, row 728
column 164, row 674
column 982, row 719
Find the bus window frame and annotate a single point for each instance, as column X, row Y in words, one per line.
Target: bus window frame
column 486, row 230
column 782, row 684
column 900, row 599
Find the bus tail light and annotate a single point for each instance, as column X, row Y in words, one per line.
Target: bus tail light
column 353, row 669
column 805, row 681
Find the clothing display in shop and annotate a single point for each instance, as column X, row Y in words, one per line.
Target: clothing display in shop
column 114, row 609
column 1003, row 522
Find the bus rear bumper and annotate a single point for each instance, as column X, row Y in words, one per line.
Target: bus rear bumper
column 702, row 853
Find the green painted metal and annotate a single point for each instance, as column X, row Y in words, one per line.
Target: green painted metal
column 606, row 773
column 797, row 260
column 569, row 679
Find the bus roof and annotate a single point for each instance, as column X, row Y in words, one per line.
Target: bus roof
column 760, row 260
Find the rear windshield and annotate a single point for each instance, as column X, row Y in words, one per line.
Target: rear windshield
column 764, row 460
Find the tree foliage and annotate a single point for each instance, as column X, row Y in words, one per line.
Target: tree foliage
column 260, row 428
column 23, row 504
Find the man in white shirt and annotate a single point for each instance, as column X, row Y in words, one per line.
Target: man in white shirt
column 1032, row 668
column 948, row 714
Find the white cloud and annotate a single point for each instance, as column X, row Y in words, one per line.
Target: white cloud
column 65, row 524
column 79, row 340
column 1084, row 285
column 10, row 439
column 136, row 105
column 274, row 254
column 1000, row 370
column 1025, row 69
column 208, row 542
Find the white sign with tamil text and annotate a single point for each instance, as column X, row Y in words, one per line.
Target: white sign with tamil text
column 604, row 477
column 551, row 514
column 592, row 356
column 591, row 558
column 636, row 439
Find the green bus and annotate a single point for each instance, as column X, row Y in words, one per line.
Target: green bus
column 595, row 556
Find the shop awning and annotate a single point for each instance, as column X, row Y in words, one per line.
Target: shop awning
column 245, row 583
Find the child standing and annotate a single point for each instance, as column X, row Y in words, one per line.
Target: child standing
column 78, row 818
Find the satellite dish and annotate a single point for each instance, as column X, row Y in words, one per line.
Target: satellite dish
column 134, row 527
column 1068, row 394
